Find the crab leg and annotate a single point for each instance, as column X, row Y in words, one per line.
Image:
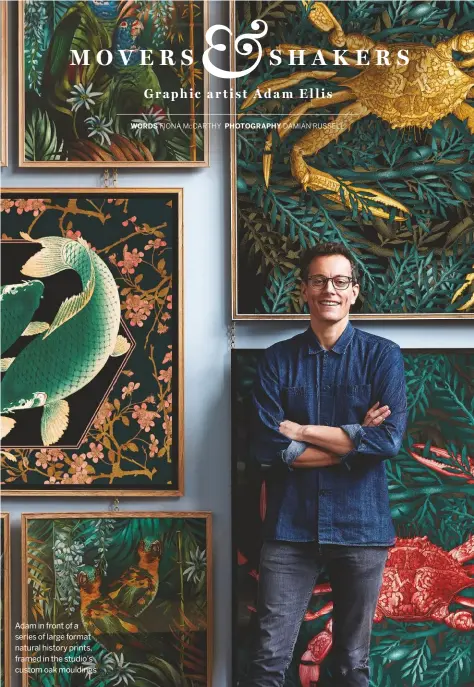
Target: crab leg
column 291, row 120
column 316, row 651
column 459, row 620
column 274, row 85
column 323, row 19
column 449, row 470
column 464, row 600
column 460, row 291
column 463, row 42
column 310, row 177
column 466, row 112
column 465, row 552
column 312, row 615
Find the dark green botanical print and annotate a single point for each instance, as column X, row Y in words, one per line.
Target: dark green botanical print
column 133, row 592
column 114, row 109
column 90, row 337
column 431, row 485
column 379, row 158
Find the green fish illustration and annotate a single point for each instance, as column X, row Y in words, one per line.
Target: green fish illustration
column 77, row 345
column 18, row 303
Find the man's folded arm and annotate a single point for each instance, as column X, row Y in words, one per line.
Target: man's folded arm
column 379, row 443
column 269, row 447
column 357, row 444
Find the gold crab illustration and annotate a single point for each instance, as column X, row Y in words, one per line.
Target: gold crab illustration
column 431, row 86
column 468, row 282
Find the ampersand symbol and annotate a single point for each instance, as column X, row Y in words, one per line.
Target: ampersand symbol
column 244, row 45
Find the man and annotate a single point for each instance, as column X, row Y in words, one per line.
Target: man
column 330, row 408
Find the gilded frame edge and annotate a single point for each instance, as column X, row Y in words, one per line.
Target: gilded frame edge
column 111, row 164
column 7, row 598
column 4, row 81
column 236, row 315
column 206, row 515
column 180, row 315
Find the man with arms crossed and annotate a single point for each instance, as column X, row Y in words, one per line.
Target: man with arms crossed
column 330, row 408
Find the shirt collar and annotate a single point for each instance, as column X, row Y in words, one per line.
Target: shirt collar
column 339, row 347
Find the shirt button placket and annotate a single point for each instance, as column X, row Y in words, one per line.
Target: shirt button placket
column 324, row 495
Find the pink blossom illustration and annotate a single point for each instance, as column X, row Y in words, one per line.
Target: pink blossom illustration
column 131, row 259
column 144, row 417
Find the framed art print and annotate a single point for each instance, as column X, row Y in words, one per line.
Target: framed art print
column 3, row 84
column 117, row 597
column 431, row 486
column 92, row 373
column 5, row 625
column 113, row 83
column 348, row 150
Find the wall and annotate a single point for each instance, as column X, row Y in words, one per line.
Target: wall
column 207, row 285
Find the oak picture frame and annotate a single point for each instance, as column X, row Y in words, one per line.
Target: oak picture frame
column 4, row 60
column 5, row 628
column 204, row 516
column 238, row 253
column 116, row 195
column 130, row 162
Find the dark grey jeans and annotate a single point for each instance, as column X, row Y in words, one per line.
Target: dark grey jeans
column 288, row 573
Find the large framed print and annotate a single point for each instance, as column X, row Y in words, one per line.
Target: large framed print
column 5, row 622
column 113, row 83
column 3, row 84
column 92, row 342
column 431, row 487
column 326, row 148
column 117, row 597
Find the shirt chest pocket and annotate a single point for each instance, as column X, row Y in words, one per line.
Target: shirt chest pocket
column 352, row 402
column 299, row 404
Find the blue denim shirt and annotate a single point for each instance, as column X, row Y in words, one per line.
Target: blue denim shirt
column 299, row 380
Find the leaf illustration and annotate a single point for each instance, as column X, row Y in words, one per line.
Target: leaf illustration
column 41, row 141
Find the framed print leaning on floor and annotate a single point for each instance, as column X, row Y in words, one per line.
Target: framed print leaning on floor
column 375, row 157
column 122, row 597
column 423, row 626
column 113, row 83
column 92, row 342
column 5, row 625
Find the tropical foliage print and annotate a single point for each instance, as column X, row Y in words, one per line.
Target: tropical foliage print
column 100, row 113
column 135, row 590
column 413, row 266
column 431, row 489
column 121, row 424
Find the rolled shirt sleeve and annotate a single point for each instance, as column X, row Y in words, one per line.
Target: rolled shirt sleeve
column 382, row 442
column 270, row 447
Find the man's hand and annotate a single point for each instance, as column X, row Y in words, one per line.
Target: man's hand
column 376, row 415
column 292, row 430
column 373, row 418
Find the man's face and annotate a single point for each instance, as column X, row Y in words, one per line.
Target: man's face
column 329, row 304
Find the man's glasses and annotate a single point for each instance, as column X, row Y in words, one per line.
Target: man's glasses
column 340, row 283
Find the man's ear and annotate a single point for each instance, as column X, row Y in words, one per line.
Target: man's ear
column 355, row 293
column 304, row 291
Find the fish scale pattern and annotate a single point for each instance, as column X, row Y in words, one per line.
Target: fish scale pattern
column 70, row 357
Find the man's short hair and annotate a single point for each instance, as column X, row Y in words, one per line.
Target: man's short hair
column 323, row 249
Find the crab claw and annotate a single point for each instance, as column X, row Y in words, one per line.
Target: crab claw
column 317, row 650
column 452, row 470
column 267, row 159
column 370, row 195
column 312, row 615
column 468, row 282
